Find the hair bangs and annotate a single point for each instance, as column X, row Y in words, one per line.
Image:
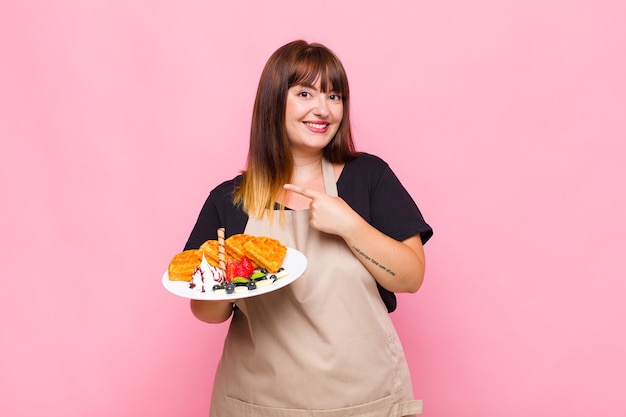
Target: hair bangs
column 318, row 63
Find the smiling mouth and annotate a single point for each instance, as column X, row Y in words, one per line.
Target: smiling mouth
column 317, row 125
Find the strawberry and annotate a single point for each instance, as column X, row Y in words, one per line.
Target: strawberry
column 238, row 271
column 231, row 267
column 246, row 266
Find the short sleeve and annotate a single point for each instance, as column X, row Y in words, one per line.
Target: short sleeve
column 394, row 212
column 372, row 189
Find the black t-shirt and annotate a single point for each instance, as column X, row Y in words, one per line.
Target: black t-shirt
column 367, row 184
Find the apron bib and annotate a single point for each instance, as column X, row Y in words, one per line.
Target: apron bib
column 323, row 346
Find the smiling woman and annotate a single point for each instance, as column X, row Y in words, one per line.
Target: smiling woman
column 505, row 120
column 312, row 117
column 311, row 72
column 361, row 233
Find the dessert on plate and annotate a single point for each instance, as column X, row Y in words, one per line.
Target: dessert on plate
column 249, row 262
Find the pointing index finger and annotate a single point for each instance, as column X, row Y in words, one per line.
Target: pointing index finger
column 301, row 190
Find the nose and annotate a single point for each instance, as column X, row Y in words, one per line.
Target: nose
column 321, row 106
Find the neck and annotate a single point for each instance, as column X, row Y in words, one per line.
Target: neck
column 307, row 173
column 306, row 168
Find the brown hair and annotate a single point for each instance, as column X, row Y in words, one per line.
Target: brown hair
column 270, row 162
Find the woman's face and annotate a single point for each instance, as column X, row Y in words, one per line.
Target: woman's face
column 312, row 118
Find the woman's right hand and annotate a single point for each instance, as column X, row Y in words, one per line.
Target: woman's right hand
column 211, row 311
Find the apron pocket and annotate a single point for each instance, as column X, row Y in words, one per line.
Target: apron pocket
column 379, row 408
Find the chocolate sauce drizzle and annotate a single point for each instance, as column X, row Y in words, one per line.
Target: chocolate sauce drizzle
column 192, row 285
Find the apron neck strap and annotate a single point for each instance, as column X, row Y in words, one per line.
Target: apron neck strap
column 330, row 186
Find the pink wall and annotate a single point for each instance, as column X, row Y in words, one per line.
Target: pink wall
column 504, row 119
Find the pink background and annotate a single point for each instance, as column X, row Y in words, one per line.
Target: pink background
column 505, row 120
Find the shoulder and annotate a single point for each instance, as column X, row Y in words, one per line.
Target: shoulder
column 359, row 180
column 226, row 189
column 364, row 167
column 229, row 185
column 218, row 210
column 367, row 161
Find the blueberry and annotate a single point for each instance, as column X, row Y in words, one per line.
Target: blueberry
column 251, row 285
column 264, row 270
column 273, row 278
column 230, row 288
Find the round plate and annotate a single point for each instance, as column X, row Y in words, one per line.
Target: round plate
column 295, row 264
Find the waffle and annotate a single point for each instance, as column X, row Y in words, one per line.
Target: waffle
column 183, row 265
column 266, row 252
column 211, row 251
column 234, row 246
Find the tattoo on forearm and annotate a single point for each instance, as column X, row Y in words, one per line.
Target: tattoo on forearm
column 374, row 261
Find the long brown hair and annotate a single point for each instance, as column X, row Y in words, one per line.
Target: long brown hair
column 270, row 162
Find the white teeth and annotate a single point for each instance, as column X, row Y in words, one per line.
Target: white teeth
column 317, row 125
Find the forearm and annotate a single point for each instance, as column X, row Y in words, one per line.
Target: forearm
column 397, row 266
column 211, row 311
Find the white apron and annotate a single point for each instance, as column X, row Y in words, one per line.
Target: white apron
column 324, row 346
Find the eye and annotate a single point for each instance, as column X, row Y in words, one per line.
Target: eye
column 304, row 94
column 335, row 97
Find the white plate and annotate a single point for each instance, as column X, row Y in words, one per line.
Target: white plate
column 295, row 264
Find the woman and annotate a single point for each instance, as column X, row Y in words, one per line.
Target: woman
column 323, row 345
